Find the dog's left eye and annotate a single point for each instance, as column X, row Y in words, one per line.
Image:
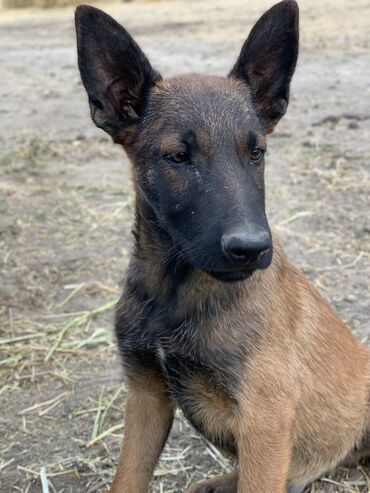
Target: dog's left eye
column 178, row 157
column 256, row 155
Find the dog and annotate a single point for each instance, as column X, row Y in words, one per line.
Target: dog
column 213, row 319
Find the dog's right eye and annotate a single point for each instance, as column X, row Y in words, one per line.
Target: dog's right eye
column 177, row 157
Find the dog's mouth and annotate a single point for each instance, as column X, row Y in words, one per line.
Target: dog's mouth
column 232, row 276
column 228, row 273
column 243, row 273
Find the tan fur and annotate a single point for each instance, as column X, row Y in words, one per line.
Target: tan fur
column 306, row 389
column 149, row 415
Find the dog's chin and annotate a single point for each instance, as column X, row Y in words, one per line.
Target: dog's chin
column 232, row 276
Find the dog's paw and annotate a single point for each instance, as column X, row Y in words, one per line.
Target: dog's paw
column 199, row 488
column 296, row 488
column 222, row 484
column 208, row 488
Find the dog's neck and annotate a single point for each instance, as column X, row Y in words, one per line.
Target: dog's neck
column 158, row 263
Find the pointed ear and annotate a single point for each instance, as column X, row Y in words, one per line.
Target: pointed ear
column 115, row 72
column 268, row 59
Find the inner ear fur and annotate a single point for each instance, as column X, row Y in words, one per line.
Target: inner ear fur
column 115, row 72
column 267, row 60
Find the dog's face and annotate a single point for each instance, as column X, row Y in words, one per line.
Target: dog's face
column 199, row 159
column 197, row 143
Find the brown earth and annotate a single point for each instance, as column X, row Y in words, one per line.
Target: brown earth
column 66, row 211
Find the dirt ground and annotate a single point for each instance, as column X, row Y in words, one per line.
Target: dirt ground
column 66, row 207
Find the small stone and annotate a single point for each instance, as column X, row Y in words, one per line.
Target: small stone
column 353, row 125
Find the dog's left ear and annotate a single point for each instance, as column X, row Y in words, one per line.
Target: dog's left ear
column 268, row 59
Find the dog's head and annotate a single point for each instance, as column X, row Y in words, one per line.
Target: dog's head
column 197, row 143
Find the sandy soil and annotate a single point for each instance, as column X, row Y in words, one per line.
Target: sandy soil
column 66, row 209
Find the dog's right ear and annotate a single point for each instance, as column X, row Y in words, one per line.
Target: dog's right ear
column 115, row 72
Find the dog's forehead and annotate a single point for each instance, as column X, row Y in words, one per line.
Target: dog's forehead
column 217, row 103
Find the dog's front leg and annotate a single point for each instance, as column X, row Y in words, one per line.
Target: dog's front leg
column 148, row 419
column 264, row 442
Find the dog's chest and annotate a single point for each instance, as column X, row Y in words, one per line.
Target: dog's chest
column 203, row 373
column 204, row 391
column 184, row 351
column 186, row 356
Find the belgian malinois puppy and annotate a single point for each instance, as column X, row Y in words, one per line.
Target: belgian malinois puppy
column 214, row 319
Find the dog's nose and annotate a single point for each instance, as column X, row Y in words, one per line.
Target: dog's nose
column 242, row 247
